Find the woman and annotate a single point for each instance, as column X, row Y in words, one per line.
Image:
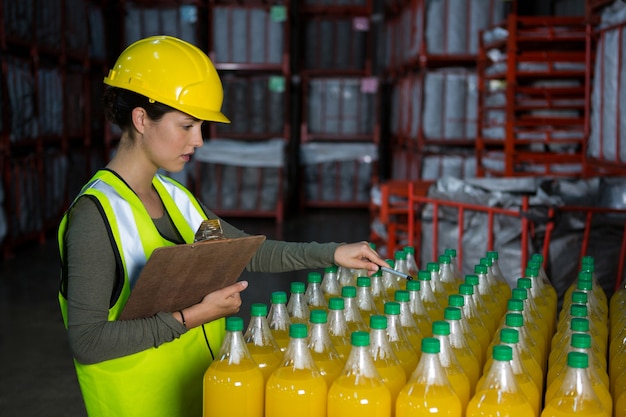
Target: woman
column 161, row 90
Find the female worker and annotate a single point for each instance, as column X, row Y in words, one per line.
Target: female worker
column 161, row 90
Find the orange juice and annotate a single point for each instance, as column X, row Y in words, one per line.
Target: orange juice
column 456, row 375
column 266, row 358
column 228, row 390
column 501, row 405
column 281, row 337
column 620, row 405
column 347, row 397
column 441, row 401
column 292, row 392
column 400, row 344
column 329, row 368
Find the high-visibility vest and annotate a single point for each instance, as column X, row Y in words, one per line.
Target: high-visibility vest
column 160, row 381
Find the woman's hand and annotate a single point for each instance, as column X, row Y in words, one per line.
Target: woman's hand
column 359, row 256
column 215, row 305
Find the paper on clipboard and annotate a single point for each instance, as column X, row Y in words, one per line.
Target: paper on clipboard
column 176, row 277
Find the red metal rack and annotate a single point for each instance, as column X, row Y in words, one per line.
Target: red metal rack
column 531, row 117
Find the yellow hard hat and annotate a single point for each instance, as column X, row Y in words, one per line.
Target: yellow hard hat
column 173, row 72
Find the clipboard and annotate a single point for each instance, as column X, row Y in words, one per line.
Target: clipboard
column 176, row 277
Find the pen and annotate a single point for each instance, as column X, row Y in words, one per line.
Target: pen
column 396, row 273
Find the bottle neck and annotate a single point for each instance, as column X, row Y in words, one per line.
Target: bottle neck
column 406, row 317
column 298, row 356
column 501, row 377
column 416, row 305
column 360, row 363
column 446, row 355
column 278, row 318
column 377, row 288
column 234, row 349
column 458, row 340
column 429, row 371
column 380, row 347
column 365, row 299
column 319, row 338
column 395, row 332
column 259, row 333
column 337, row 325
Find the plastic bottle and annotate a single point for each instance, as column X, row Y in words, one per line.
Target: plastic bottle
column 461, row 348
column 359, row 390
column 542, row 295
column 428, row 391
column 411, row 262
column 561, row 337
column 260, row 341
column 401, row 266
column 351, row 312
column 338, row 328
column 297, row 384
column 545, row 286
column 364, row 299
column 532, row 318
column 233, row 384
column 472, row 316
column 429, row 300
column 457, row 301
column 346, row 276
column 313, row 295
column 456, row 268
column 330, row 283
column 526, row 339
column 561, row 340
column 599, row 321
column 418, row 311
column 494, row 288
column 297, row 307
column 485, row 301
column 322, row 349
column 405, row 353
column 459, row 337
column 413, row 333
column 496, row 271
column 487, row 288
column 620, row 397
column 575, row 395
column 390, row 281
column 544, row 316
column 440, row 291
column 447, row 277
column 499, row 393
column 385, row 360
column 379, row 292
column 278, row 319
column 456, row 374
column 588, row 265
column 581, row 342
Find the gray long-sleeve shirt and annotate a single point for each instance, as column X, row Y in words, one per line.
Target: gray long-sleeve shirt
column 91, row 280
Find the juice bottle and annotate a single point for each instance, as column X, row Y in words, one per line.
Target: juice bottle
column 440, row 291
column 278, row 319
column 400, row 344
column 537, row 316
column 297, row 384
column 577, row 325
column 359, row 390
column 413, row 333
column 233, row 384
column 475, row 317
column 411, row 262
column 456, row 301
column 581, row 343
column 521, row 304
column 379, row 292
column 526, row 339
column 487, row 290
column 587, row 264
column 579, row 311
column 385, row 360
column 544, row 285
column 486, row 305
column 496, row 271
column 418, row 311
column 597, row 297
column 353, row 316
column 447, row 277
column 429, row 392
column 620, row 395
column 457, row 376
column 429, row 300
column 459, row 337
column 313, row 295
column 330, row 283
column 390, row 281
column 346, row 276
column 455, row 265
column 364, row 299
column 297, row 307
column 575, row 395
column 324, row 354
column 494, row 288
column 461, row 348
column 542, row 296
column 600, row 322
column 499, row 393
column 338, row 328
column 260, row 341
column 401, row 266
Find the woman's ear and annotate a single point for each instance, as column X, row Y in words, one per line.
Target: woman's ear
column 139, row 117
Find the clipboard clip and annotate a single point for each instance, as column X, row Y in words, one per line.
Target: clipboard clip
column 210, row 229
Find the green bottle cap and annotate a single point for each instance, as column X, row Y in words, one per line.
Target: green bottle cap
column 360, row 339
column 402, row 296
column 579, row 325
column 581, row 340
column 456, row 300
column 409, row 250
column 502, row 353
column 391, row 263
column 431, row 345
column 372, row 245
column 413, row 285
column 378, row 273
column 519, row 293
column 423, row 275
column 452, row 313
column 515, row 304
column 363, row 282
column 234, row 324
column 444, row 259
column 400, row 255
column 509, row 336
column 432, row 267
column 534, row 264
column 348, row 291
column 393, row 308
column 532, row 273
column 577, row 360
column 579, row 297
column 514, row 320
column 584, row 285
column 318, row 316
column 588, row 267
column 466, row 289
column 480, row 269
column 587, row 260
column 331, row 269
column 297, row 287
column 378, row 322
column 537, row 256
column 336, row 303
column 524, row 283
column 298, row 331
column 578, row 310
column 279, row 297
column 441, row 327
column 314, row 277
column 492, row 254
column 258, row 310
column 472, row 279
column 486, row 262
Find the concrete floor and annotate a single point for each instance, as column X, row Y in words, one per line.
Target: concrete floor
column 36, row 371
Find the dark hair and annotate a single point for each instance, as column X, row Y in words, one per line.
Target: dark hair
column 119, row 103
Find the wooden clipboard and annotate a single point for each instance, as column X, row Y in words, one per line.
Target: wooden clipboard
column 176, row 277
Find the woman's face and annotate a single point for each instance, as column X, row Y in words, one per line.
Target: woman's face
column 170, row 142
